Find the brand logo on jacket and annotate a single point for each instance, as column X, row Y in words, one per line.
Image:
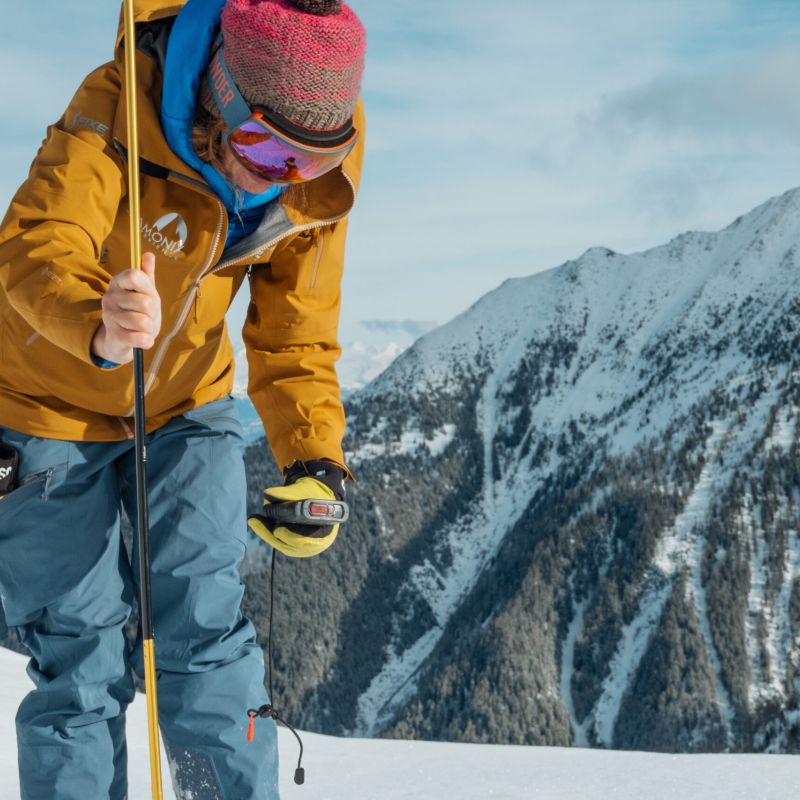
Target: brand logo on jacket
column 168, row 234
column 81, row 121
column 5, row 472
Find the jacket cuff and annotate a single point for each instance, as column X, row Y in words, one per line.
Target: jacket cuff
column 315, row 450
column 102, row 362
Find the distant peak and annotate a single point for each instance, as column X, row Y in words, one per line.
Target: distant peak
column 599, row 252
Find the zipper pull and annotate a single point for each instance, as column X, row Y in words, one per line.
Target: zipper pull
column 46, row 487
column 196, row 300
column 251, row 728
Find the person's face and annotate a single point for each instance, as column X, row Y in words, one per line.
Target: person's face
column 241, row 176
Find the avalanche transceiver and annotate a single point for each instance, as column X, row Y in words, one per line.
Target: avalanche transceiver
column 308, row 512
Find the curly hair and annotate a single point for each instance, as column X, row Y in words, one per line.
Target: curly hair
column 208, row 135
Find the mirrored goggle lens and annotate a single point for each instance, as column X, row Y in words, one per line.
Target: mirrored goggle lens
column 279, row 160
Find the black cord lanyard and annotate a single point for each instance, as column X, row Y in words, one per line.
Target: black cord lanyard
column 269, row 709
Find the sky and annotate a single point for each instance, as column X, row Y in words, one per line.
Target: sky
column 504, row 138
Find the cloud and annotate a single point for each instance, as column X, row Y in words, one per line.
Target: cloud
column 405, row 327
column 756, row 97
column 698, row 141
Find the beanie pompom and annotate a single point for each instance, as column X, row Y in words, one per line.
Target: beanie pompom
column 319, row 7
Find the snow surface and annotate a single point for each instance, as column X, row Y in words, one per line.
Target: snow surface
column 581, row 738
column 344, row 769
column 408, row 443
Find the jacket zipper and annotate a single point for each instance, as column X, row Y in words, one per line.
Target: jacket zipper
column 256, row 254
column 192, row 294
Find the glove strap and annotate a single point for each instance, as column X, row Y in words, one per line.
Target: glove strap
column 332, row 475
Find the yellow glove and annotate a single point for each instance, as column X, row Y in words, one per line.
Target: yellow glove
column 311, row 480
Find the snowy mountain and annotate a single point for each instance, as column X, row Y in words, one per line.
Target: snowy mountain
column 342, row 769
column 576, row 520
column 372, row 346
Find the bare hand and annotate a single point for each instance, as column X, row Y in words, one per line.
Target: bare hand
column 131, row 314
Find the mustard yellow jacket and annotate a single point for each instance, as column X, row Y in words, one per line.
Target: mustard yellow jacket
column 66, row 234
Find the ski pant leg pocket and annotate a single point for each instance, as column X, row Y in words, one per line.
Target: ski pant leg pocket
column 210, row 666
column 197, row 514
column 58, row 524
column 29, row 522
column 219, row 416
column 40, row 461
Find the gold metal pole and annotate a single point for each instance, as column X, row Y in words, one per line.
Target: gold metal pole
column 133, row 136
column 145, row 609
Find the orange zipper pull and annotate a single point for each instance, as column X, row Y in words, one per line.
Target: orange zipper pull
column 251, row 729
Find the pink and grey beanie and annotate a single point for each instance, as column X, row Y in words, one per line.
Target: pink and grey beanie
column 302, row 59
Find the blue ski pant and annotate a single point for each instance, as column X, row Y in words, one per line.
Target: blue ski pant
column 67, row 585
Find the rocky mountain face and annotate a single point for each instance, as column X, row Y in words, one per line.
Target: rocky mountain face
column 576, row 520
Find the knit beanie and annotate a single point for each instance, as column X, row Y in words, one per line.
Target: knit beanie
column 301, row 59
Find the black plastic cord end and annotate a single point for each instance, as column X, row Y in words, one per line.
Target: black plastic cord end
column 299, row 776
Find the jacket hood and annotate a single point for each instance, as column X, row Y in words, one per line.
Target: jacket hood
column 147, row 11
column 195, row 27
column 188, row 52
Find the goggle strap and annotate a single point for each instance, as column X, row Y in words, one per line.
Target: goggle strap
column 229, row 100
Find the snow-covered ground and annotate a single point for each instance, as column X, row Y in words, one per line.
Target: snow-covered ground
column 361, row 769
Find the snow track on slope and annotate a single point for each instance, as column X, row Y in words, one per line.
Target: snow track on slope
column 579, row 734
column 672, row 555
column 681, row 549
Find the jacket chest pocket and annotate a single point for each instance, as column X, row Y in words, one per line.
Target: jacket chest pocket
column 311, row 251
column 319, row 247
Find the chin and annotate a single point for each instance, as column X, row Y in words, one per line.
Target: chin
column 253, row 186
column 244, row 179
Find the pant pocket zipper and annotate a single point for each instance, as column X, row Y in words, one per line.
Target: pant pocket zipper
column 45, row 475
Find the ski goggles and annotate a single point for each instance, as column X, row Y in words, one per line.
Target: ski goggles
column 280, row 155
